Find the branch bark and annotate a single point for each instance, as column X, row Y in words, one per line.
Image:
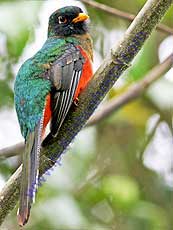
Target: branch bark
column 122, row 14
column 113, row 66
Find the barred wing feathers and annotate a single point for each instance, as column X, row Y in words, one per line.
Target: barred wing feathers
column 65, row 75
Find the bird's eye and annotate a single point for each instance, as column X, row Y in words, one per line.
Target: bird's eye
column 62, row 19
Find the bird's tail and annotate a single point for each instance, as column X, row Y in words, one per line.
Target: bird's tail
column 29, row 180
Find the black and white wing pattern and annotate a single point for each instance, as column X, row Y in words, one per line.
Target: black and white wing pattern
column 65, row 74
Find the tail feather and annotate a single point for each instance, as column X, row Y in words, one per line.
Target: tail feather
column 29, row 178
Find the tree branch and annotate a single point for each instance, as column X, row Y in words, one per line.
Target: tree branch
column 105, row 77
column 122, row 14
column 133, row 92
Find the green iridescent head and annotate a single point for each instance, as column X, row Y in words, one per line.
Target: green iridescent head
column 69, row 20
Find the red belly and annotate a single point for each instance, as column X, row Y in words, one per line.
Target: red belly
column 87, row 73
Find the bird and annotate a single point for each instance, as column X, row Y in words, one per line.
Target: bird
column 46, row 86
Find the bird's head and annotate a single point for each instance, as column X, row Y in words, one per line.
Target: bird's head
column 69, row 20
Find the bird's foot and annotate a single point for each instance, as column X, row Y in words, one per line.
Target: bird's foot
column 76, row 101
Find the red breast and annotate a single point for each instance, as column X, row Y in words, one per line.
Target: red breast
column 87, row 73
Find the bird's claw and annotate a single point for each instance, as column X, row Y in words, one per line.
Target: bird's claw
column 76, row 101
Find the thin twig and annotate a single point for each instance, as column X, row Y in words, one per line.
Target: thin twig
column 105, row 77
column 148, row 139
column 122, row 14
column 11, row 151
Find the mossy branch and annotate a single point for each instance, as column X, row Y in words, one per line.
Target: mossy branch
column 112, row 67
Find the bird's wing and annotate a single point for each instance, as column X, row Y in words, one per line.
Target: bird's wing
column 65, row 74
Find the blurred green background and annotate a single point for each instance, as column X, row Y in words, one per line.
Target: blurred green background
column 117, row 174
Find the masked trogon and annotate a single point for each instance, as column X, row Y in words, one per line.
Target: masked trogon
column 46, row 86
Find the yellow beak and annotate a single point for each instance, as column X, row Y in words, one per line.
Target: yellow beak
column 80, row 18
